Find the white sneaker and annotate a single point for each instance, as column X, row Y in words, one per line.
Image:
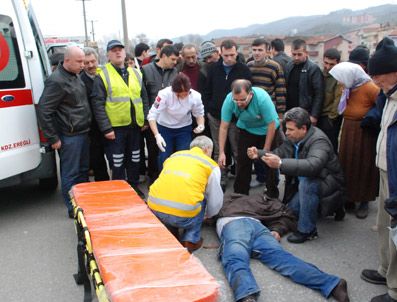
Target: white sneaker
column 255, row 183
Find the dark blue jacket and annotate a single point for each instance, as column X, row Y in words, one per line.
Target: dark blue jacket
column 391, row 155
column 391, row 144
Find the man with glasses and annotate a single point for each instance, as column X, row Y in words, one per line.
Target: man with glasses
column 257, row 121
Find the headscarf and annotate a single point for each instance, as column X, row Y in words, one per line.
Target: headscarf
column 351, row 76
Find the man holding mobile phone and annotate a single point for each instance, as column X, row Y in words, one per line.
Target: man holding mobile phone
column 314, row 179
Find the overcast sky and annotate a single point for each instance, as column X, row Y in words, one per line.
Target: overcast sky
column 159, row 19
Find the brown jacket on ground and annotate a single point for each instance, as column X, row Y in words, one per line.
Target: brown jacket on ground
column 270, row 211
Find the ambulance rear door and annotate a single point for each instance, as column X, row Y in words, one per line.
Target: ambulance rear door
column 19, row 135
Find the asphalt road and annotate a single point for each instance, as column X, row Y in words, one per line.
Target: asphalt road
column 38, row 253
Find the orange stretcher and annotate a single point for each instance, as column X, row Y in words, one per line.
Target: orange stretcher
column 128, row 253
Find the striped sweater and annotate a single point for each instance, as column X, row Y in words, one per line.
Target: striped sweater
column 269, row 76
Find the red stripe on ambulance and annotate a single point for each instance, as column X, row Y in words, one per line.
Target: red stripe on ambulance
column 12, row 98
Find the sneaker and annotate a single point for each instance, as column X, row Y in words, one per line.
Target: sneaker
column 299, row 237
column 362, row 210
column 255, row 183
column 372, row 276
column 340, row 291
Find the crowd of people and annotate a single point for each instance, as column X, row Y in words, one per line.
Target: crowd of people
column 186, row 116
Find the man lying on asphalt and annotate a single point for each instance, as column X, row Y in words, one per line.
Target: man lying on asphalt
column 251, row 226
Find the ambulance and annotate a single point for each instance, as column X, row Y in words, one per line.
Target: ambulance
column 25, row 154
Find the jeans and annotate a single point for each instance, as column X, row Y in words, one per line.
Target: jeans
column 176, row 140
column 191, row 226
column 123, row 153
column 244, row 238
column 74, row 163
column 305, row 203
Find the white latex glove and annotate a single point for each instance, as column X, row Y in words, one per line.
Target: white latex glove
column 160, row 142
column 199, row 129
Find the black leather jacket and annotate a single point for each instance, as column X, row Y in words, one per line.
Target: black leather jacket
column 311, row 87
column 63, row 106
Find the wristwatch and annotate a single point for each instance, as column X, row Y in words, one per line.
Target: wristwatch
column 280, row 162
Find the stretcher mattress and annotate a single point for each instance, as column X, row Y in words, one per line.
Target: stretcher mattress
column 134, row 256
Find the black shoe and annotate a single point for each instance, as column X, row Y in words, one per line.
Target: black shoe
column 299, row 237
column 271, row 192
column 250, row 298
column 233, row 169
column 372, row 276
column 340, row 214
column 191, row 247
column 350, row 207
column 362, row 211
column 139, row 192
column 71, row 214
column 340, row 292
column 383, row 298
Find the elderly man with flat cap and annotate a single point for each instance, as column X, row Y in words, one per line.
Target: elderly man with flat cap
column 382, row 67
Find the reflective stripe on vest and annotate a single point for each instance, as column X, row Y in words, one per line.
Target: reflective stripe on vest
column 173, row 204
column 181, row 185
column 123, row 118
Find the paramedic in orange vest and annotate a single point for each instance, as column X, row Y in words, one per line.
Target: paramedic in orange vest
column 187, row 191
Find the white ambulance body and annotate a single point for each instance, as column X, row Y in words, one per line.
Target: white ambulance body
column 24, row 66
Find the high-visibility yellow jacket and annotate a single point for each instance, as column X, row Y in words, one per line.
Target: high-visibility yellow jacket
column 120, row 95
column 180, row 188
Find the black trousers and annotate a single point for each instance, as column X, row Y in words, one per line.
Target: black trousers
column 331, row 128
column 244, row 167
column 97, row 155
column 153, row 152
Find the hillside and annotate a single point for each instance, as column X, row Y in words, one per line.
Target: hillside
column 333, row 23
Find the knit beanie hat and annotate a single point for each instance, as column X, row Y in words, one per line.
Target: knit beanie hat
column 359, row 55
column 207, row 48
column 384, row 59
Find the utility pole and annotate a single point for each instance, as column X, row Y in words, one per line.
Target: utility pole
column 85, row 23
column 125, row 29
column 92, row 30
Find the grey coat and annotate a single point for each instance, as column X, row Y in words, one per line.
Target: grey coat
column 317, row 159
column 156, row 79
